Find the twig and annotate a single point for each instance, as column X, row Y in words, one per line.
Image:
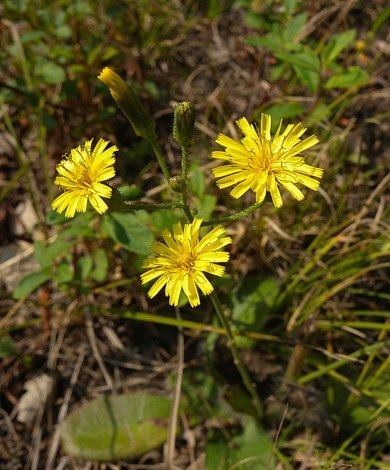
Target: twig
column 62, row 413
column 96, row 353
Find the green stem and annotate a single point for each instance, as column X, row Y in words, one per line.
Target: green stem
column 151, row 207
column 184, row 175
column 235, row 216
column 160, row 159
column 236, row 357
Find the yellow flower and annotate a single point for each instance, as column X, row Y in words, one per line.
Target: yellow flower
column 261, row 162
column 181, row 262
column 80, row 175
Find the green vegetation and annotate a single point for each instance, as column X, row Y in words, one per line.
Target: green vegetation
column 305, row 287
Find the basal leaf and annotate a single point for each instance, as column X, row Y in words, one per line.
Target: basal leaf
column 116, row 427
column 29, row 283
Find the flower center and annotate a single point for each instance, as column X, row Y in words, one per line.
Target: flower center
column 261, row 158
column 83, row 177
column 186, row 262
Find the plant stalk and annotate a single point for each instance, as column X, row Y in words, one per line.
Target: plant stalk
column 232, row 217
column 160, row 159
column 184, row 175
column 236, row 357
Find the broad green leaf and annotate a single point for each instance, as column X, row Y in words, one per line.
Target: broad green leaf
column 197, row 181
column 51, row 73
column 64, row 273
column 306, row 65
column 352, row 76
column 131, row 231
column 304, row 60
column 336, row 44
column 84, row 267
column 164, row 219
column 308, row 77
column 64, row 31
column 100, row 265
column 252, row 305
column 116, row 427
column 272, row 41
column 205, row 206
column 250, row 450
column 254, row 20
column 319, row 113
column 29, row 283
column 278, row 71
column 292, row 29
column 7, row 347
column 80, row 227
column 290, row 6
column 283, row 111
column 47, row 254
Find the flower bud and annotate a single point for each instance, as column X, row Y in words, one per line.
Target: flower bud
column 183, row 123
column 177, row 183
column 127, row 100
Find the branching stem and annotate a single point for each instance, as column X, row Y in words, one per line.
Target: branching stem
column 232, row 217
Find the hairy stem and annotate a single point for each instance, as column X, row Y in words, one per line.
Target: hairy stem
column 160, row 158
column 184, row 175
column 232, row 217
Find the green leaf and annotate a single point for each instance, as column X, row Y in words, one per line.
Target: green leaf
column 249, row 450
column 47, row 254
column 308, row 77
column 84, row 267
column 197, row 181
column 7, row 347
column 131, row 231
column 306, row 65
column 272, row 41
column 51, row 73
column 100, row 269
column 319, row 113
column 292, row 29
column 337, row 44
column 64, row 273
column 304, row 60
column 117, row 427
column 252, row 305
column 283, row 111
column 352, row 76
column 164, row 219
column 205, row 206
column 29, row 283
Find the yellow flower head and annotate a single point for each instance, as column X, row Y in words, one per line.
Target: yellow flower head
column 181, row 263
column 80, row 175
column 261, row 162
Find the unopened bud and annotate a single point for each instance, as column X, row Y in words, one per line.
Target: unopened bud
column 183, row 123
column 127, row 100
column 177, row 183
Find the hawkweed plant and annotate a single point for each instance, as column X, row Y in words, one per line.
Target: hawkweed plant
column 186, row 260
